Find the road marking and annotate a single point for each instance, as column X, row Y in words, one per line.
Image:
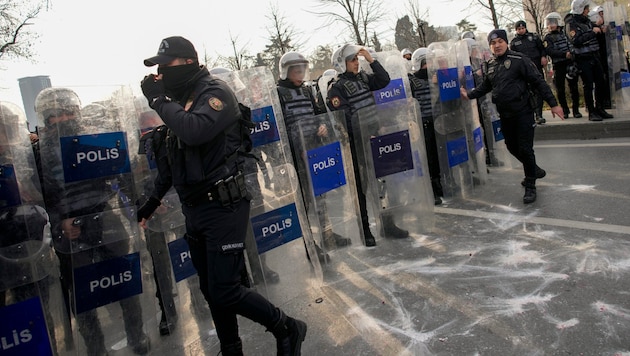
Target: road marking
column 617, row 229
column 580, row 145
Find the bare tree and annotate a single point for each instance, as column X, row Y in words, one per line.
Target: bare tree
column 419, row 17
column 16, row 38
column 281, row 36
column 241, row 58
column 359, row 16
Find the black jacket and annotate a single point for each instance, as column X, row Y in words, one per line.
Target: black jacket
column 530, row 45
column 203, row 136
column 508, row 77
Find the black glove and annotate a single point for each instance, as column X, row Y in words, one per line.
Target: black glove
column 147, row 209
column 152, row 87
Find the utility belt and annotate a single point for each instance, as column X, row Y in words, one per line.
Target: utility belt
column 226, row 191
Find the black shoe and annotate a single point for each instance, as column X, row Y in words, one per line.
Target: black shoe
column 437, row 200
column 567, row 113
column 604, row 114
column 234, row 349
column 540, row 173
column 530, row 195
column 289, row 333
column 142, row 346
column 164, row 329
column 271, row 276
column 540, row 120
column 370, row 241
column 392, row 231
column 593, row 115
column 341, row 241
column 577, row 114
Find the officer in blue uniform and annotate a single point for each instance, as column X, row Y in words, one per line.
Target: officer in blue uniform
column 508, row 75
column 205, row 146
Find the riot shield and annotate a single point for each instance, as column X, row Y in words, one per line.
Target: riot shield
column 29, row 287
column 392, row 151
column 323, row 163
column 474, row 131
column 450, row 124
column 276, row 251
column 323, row 82
column 90, row 194
column 185, row 315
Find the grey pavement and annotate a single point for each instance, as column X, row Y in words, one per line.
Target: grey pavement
column 494, row 277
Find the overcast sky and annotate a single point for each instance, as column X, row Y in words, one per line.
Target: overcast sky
column 102, row 43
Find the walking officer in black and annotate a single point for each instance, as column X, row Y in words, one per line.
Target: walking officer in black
column 508, row 75
column 531, row 45
column 559, row 49
column 583, row 37
column 205, row 139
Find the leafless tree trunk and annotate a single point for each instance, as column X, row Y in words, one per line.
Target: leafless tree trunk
column 16, row 39
column 359, row 16
column 419, row 18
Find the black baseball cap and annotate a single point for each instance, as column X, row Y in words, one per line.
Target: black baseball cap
column 171, row 48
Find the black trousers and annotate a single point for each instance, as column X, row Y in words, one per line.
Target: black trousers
column 592, row 74
column 207, row 225
column 518, row 131
column 559, row 80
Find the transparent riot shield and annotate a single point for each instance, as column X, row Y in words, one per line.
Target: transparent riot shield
column 281, row 244
column 392, row 151
column 497, row 154
column 456, row 167
column 185, row 315
column 90, row 197
column 615, row 54
column 474, row 132
column 323, row 83
column 29, row 287
column 324, row 165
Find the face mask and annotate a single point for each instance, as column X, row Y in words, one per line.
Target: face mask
column 177, row 77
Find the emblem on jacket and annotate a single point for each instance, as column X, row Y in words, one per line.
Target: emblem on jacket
column 215, row 103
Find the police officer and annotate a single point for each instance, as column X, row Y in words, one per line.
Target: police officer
column 531, row 45
column 351, row 91
column 80, row 234
column 559, row 49
column 507, row 76
column 298, row 103
column 583, row 37
column 420, row 88
column 204, row 139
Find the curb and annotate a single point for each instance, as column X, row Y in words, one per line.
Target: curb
column 583, row 130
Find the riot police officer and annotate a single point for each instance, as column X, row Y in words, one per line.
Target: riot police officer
column 531, row 45
column 82, row 233
column 298, row 102
column 583, row 37
column 559, row 49
column 205, row 138
column 351, row 91
column 420, row 87
column 508, row 75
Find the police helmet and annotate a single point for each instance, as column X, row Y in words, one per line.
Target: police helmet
column 406, row 51
column 598, row 9
column 13, row 127
column 593, row 16
column 419, row 58
column 578, row 6
column 554, row 18
column 52, row 102
column 468, row 34
column 329, row 73
column 343, row 54
column 290, row 59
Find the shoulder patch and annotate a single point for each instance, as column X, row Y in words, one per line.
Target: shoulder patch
column 335, row 101
column 215, row 103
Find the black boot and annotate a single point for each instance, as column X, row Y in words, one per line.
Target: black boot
column 391, row 230
column 540, row 173
column 333, row 240
column 233, row 349
column 289, row 333
column 530, row 191
column 370, row 241
column 604, row 114
column 437, row 187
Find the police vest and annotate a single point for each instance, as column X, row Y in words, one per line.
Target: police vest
column 580, row 28
column 421, row 91
column 527, row 44
column 358, row 95
column 560, row 43
column 297, row 104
